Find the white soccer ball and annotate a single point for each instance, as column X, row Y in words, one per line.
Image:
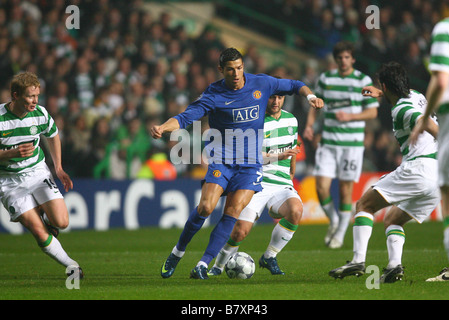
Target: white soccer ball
column 240, row 266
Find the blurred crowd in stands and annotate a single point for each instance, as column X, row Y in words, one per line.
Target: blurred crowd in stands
column 125, row 69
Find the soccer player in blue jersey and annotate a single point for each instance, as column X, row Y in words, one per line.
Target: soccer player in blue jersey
column 235, row 106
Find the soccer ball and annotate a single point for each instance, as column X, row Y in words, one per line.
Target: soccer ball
column 240, row 266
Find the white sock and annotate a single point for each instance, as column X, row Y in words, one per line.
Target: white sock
column 223, row 256
column 345, row 218
column 331, row 213
column 53, row 248
column 201, row 263
column 177, row 252
column 281, row 235
column 363, row 227
column 395, row 243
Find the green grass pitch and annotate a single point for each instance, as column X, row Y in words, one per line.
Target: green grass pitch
column 123, row 265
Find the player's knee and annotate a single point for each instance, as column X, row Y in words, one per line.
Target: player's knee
column 292, row 211
column 241, row 230
column 296, row 214
column 359, row 206
column 239, row 234
column 234, row 211
column 62, row 223
column 205, row 209
column 362, row 205
column 366, row 206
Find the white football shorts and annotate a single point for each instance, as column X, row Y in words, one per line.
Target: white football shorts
column 344, row 163
column 443, row 150
column 412, row 187
column 22, row 192
column 272, row 196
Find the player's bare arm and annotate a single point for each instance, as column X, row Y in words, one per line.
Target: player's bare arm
column 308, row 130
column 366, row 114
column 430, row 126
column 54, row 144
column 170, row 125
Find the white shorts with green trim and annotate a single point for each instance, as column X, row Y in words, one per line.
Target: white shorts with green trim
column 22, row 192
column 412, row 187
column 344, row 163
column 272, row 197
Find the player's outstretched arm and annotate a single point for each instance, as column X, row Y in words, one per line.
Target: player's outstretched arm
column 367, row 114
column 168, row 126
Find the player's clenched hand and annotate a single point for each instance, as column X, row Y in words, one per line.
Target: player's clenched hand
column 308, row 133
column 156, row 132
column 316, row 103
column 288, row 153
column 22, row 151
column 371, row 91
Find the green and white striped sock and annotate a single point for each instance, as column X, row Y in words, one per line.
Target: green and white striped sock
column 281, row 235
column 53, row 248
column 395, row 243
column 225, row 253
column 362, row 229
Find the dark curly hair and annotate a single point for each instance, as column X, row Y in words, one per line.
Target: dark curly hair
column 229, row 54
column 395, row 79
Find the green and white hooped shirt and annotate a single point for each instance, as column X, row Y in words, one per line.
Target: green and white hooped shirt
column 405, row 114
column 343, row 94
column 15, row 131
column 279, row 135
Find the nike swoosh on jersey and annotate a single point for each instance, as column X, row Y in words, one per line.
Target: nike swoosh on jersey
column 4, row 134
column 229, row 102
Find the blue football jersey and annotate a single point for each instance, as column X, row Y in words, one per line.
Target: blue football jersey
column 236, row 117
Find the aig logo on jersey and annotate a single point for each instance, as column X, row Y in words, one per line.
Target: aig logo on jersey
column 245, row 114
